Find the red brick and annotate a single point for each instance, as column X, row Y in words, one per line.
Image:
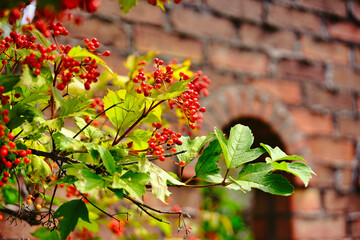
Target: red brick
column 346, row 31
column 345, row 77
column 154, row 39
column 335, row 202
column 247, row 9
column 346, row 183
column 255, row 36
column 327, row 150
column 349, row 127
column 306, row 200
column 238, row 60
column 313, row 123
column 325, row 176
column 356, row 9
column 337, row 7
column 318, row 97
column 290, row 18
column 202, row 24
column 355, row 228
column 357, row 57
column 218, row 79
column 106, row 32
column 287, row 91
column 326, row 51
column 145, row 13
column 301, row 70
column 319, row 228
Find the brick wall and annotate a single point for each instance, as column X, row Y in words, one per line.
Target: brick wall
column 294, row 64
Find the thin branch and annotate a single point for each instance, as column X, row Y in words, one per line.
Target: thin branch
column 151, row 158
column 115, row 105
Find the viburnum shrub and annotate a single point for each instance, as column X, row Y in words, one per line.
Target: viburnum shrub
column 69, row 159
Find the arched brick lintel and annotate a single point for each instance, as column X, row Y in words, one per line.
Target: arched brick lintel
column 237, row 101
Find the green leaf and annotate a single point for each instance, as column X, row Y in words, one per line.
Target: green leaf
column 92, row 181
column 79, row 53
column 39, row 168
column 299, row 169
column 206, row 164
column 9, row 82
column 258, row 176
column 192, row 147
column 53, row 124
column 45, row 234
column 132, row 182
column 68, row 179
column 239, row 143
column 29, row 79
column 74, row 106
column 140, row 138
column 23, row 112
column 10, row 194
column 174, row 90
column 223, row 144
column 64, row 143
column 107, row 159
column 158, row 179
column 71, row 211
column 132, row 102
column 126, row 5
column 90, row 131
column 277, row 154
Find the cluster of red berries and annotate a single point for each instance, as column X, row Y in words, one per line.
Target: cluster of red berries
column 161, row 78
column 188, row 101
column 10, row 156
column 98, row 105
column 4, row 101
column 30, row 200
column 167, row 138
column 72, row 191
column 117, row 227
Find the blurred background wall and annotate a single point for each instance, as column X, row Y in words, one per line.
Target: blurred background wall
column 290, row 69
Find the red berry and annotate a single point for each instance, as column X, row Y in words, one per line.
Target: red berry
column 162, row 158
column 5, row 112
column 182, row 163
column 6, row 119
column 6, row 174
column 26, row 160
column 1, row 185
column 4, row 151
column 107, row 53
column 11, row 136
column 8, row 164
column 22, row 153
column 12, row 144
column 17, row 161
column 152, row 2
column 17, row 95
column 37, row 72
column 4, row 179
column 28, row 151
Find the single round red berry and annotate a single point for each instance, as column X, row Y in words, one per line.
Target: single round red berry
column 107, row 53
column 182, row 163
column 11, row 136
column 26, row 160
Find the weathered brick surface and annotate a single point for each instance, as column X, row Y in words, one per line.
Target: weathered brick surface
column 145, row 13
column 301, row 70
column 154, row 39
column 306, row 200
column 313, row 123
column 335, row 202
column 355, row 228
column 356, row 9
column 337, row 7
column 287, row 91
column 108, row 34
column 255, row 36
column 197, row 23
column 247, row 9
column 303, row 21
column 325, row 176
column 317, row 97
column 332, row 151
column 346, row 31
column 345, row 77
column 349, row 126
column 239, row 60
column 324, row 51
column 319, row 228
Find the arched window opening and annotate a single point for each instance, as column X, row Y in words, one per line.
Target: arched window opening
column 268, row 215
